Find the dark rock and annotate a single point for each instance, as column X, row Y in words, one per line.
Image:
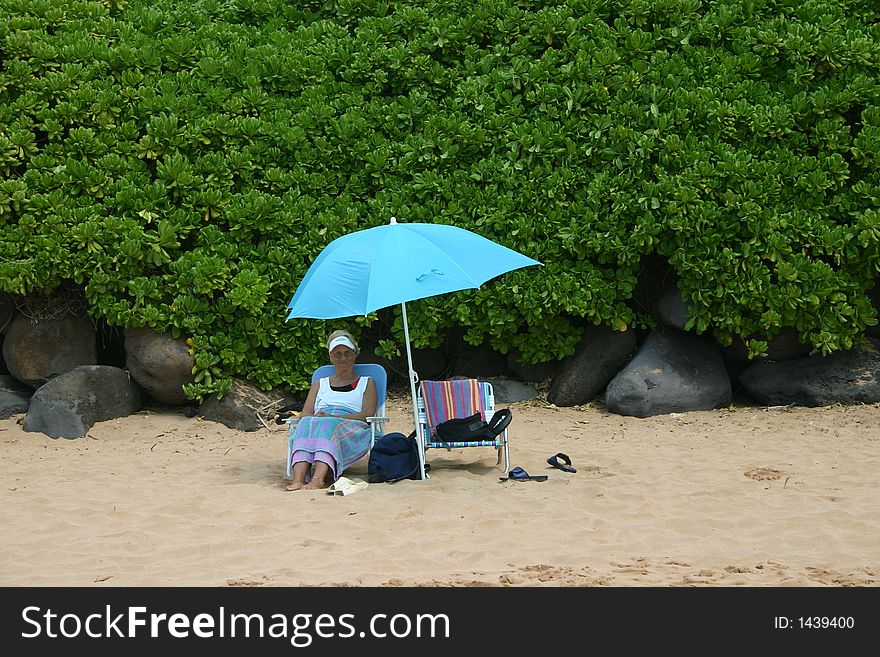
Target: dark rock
column 508, row 391
column 68, row 405
column 479, row 362
column 598, row 357
column 431, row 363
column 672, row 372
column 844, row 377
column 671, row 308
column 784, row 346
column 160, row 364
column 14, row 396
column 535, row 373
column 7, row 312
column 245, row 405
column 36, row 351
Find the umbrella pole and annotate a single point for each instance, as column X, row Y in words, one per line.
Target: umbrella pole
column 413, row 378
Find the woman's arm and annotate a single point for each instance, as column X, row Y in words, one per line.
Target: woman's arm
column 309, row 405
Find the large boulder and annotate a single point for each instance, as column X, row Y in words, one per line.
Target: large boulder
column 844, row 377
column 160, row 364
column 14, row 396
column 600, row 354
column 508, row 391
column 785, row 345
column 671, row 308
column 530, row 373
column 431, row 363
column 246, row 407
column 479, row 362
column 68, row 405
column 7, row 312
column 672, row 372
column 35, row 351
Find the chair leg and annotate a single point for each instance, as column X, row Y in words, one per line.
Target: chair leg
column 291, row 426
column 421, row 445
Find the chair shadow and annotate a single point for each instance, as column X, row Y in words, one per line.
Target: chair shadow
column 441, row 463
column 273, row 475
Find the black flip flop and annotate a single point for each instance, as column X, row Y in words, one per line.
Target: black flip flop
column 565, row 466
column 518, row 474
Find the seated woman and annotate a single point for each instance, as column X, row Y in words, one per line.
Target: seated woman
column 332, row 432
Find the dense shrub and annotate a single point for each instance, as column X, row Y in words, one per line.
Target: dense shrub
column 185, row 162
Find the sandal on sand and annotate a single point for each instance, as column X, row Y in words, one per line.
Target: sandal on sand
column 565, row 466
column 518, row 474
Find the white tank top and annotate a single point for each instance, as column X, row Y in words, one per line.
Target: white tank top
column 352, row 399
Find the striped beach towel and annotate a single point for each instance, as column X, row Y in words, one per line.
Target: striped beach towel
column 445, row 400
column 338, row 442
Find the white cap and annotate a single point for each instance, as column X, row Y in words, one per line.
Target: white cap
column 341, row 340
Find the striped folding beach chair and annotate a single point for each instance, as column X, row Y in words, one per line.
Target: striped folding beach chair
column 439, row 401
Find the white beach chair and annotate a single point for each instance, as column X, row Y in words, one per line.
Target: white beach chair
column 376, row 422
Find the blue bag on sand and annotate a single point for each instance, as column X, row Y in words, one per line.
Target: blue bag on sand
column 394, row 457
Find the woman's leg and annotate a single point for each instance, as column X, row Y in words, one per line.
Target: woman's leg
column 319, row 476
column 300, row 470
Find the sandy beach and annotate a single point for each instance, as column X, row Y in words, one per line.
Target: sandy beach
column 745, row 496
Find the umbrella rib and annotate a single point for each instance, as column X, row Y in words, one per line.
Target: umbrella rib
column 450, row 255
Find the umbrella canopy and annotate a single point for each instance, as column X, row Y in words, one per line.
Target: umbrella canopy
column 379, row 267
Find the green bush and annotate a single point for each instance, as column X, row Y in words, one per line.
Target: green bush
column 185, row 162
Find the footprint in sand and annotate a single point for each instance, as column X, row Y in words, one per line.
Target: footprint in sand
column 595, row 472
column 763, row 474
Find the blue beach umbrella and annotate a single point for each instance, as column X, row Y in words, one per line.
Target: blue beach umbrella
column 379, row 267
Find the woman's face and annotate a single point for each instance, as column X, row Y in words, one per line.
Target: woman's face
column 341, row 355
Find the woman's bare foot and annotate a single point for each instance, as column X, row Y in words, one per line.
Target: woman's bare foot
column 299, row 471
column 315, row 484
column 319, row 476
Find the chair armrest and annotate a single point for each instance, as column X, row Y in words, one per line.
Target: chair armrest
column 371, row 419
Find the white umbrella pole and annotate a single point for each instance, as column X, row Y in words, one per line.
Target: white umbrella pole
column 413, row 379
